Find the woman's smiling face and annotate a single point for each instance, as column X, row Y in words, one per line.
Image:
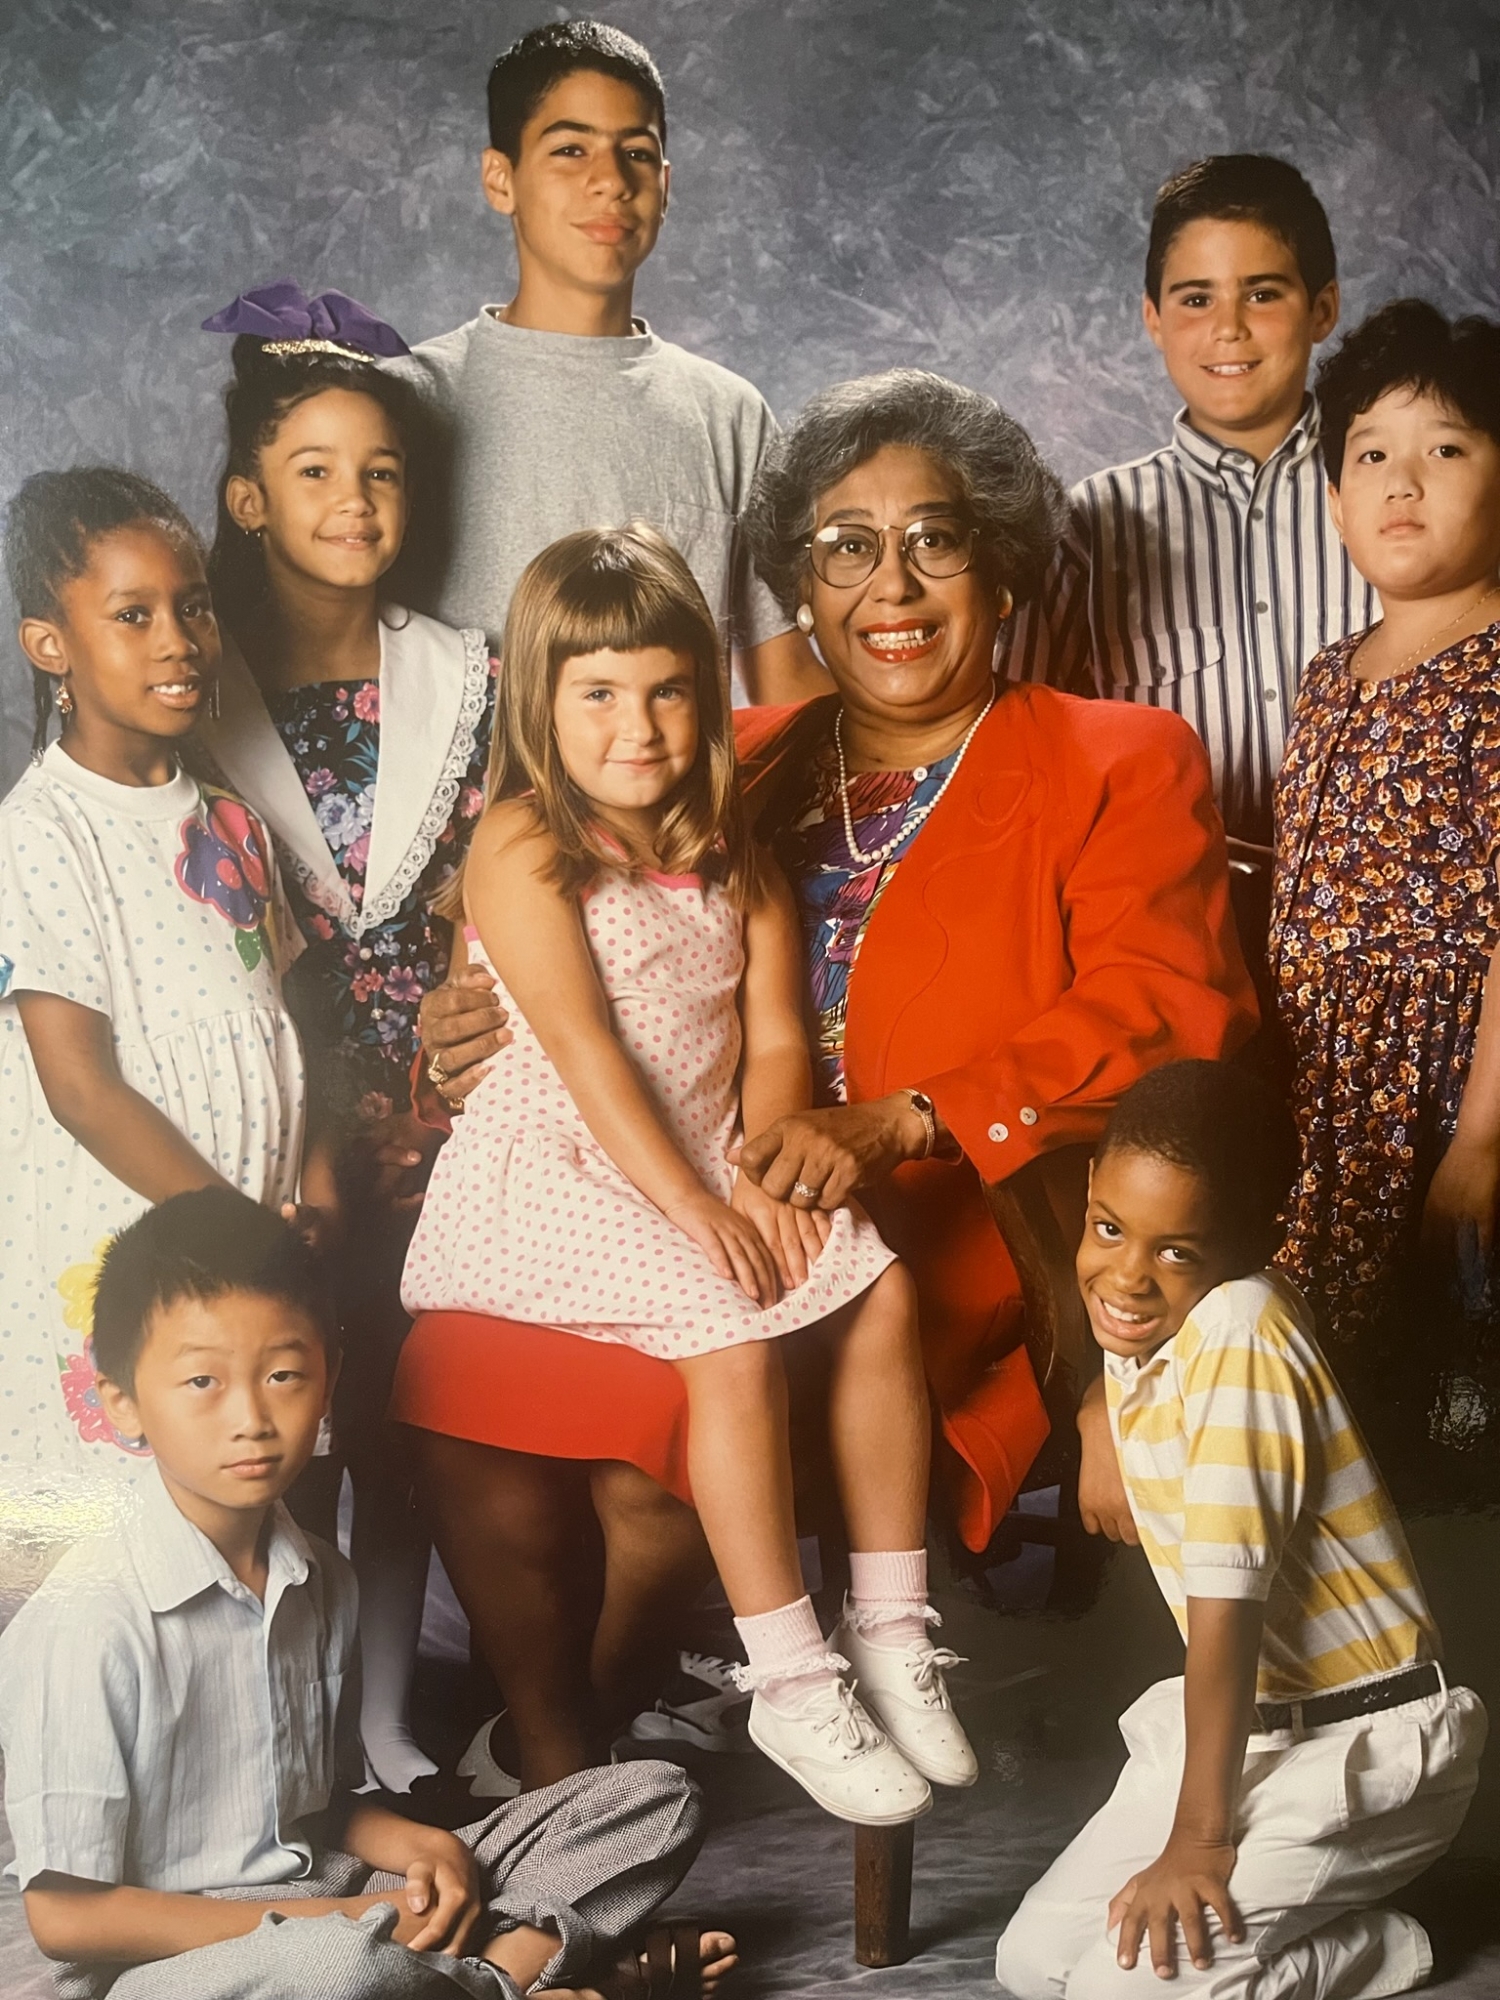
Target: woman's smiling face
column 903, row 644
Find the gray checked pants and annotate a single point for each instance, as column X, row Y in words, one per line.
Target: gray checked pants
column 590, row 1858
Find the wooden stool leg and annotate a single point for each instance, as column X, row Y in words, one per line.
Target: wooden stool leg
column 882, row 1893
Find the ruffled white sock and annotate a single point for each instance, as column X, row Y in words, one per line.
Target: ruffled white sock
column 789, row 1657
column 888, row 1597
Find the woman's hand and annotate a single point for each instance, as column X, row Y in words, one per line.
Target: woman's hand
column 732, row 1243
column 1181, row 1886
column 794, row 1236
column 462, row 1025
column 442, row 1896
column 835, row 1151
column 1103, row 1505
column 1458, row 1217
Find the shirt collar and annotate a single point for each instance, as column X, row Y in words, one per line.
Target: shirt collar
column 1209, row 459
column 1130, row 1371
column 176, row 1561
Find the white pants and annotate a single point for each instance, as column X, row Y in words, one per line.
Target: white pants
column 1329, row 1823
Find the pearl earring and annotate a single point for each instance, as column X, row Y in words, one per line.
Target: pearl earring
column 62, row 696
column 804, row 618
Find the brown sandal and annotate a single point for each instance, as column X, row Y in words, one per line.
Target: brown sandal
column 673, row 1968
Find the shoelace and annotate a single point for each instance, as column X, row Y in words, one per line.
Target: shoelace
column 844, row 1720
column 709, row 1668
column 929, row 1664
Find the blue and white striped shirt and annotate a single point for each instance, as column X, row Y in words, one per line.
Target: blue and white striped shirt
column 161, row 1725
column 1196, row 580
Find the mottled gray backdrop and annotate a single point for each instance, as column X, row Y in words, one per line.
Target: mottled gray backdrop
column 962, row 184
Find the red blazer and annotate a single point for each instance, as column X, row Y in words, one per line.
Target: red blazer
column 1060, row 925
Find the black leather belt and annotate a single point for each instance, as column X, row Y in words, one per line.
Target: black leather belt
column 1345, row 1703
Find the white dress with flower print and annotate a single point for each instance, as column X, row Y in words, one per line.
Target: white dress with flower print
column 528, row 1218
column 152, row 906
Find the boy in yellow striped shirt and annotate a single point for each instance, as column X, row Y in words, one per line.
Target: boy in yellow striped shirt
column 1312, row 1759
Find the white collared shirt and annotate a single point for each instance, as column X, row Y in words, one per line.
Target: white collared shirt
column 1196, row 580
column 164, row 1728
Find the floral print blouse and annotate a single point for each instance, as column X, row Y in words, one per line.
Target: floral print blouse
column 362, row 994
column 836, row 895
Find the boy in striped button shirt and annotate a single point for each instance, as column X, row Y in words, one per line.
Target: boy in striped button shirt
column 1313, row 1758
column 1204, row 576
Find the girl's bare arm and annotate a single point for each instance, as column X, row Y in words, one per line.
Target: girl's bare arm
column 776, row 1076
column 535, row 938
column 776, row 1068
column 73, row 1050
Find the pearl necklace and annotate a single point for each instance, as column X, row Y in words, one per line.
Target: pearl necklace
column 909, row 823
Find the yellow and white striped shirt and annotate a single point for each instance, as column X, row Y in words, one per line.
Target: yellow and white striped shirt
column 1248, row 1478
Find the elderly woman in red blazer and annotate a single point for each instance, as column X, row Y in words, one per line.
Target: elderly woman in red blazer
column 1014, row 902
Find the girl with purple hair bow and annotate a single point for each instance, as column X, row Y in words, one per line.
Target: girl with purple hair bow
column 359, row 730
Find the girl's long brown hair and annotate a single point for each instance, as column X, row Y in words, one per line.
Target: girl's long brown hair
column 613, row 590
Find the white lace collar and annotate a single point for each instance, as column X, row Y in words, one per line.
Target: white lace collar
column 434, row 684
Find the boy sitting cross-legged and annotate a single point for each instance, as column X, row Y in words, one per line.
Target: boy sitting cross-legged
column 178, row 1704
column 1313, row 1759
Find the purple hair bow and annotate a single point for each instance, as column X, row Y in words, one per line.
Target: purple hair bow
column 283, row 311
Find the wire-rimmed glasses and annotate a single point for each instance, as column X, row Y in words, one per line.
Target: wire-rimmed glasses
column 845, row 553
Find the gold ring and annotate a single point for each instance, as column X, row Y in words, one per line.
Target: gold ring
column 436, row 1073
column 807, row 1193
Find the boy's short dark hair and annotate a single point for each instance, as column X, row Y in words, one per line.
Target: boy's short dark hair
column 527, row 70
column 1409, row 344
column 1221, row 1124
column 1244, row 187
column 201, row 1246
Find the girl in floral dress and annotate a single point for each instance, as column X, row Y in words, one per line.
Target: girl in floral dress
column 1386, row 920
column 144, row 1048
column 360, row 731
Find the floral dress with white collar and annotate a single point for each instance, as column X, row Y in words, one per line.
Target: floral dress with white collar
column 361, row 994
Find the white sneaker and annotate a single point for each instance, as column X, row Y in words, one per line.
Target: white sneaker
column 488, row 1780
column 702, row 1721
column 903, row 1689
column 839, row 1757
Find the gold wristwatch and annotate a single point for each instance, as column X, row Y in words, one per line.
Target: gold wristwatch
column 926, row 1110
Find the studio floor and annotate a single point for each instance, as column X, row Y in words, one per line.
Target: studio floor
column 1040, row 1692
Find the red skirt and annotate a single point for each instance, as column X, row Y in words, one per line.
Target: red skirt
column 536, row 1389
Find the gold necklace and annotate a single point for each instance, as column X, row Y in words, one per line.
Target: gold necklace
column 1424, row 650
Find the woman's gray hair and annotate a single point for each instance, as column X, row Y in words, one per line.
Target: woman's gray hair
column 1015, row 500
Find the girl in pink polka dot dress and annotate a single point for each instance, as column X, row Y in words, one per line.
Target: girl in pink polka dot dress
column 651, row 963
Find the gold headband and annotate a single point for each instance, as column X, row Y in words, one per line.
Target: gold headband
column 313, row 347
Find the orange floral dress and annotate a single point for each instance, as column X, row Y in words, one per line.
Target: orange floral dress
column 1383, row 921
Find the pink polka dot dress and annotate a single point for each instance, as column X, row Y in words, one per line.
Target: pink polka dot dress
column 528, row 1218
